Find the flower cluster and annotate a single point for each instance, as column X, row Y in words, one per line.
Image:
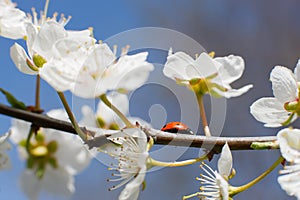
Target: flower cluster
column 207, row 74
column 129, row 147
column 73, row 60
column 215, row 183
column 50, row 166
column 281, row 110
column 284, row 107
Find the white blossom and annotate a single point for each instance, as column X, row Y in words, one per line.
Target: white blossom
column 289, row 143
column 4, row 146
column 64, row 156
column 129, row 148
column 215, row 73
column 45, row 42
column 12, row 20
column 283, row 108
column 215, row 183
column 99, row 73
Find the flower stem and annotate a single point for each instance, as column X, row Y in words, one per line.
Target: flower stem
column 46, row 8
column 71, row 116
column 203, row 115
column 37, row 93
column 236, row 190
column 117, row 111
column 31, row 131
column 154, row 162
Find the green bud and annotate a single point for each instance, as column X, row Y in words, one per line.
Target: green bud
column 39, row 137
column 52, row 146
column 114, row 126
column 38, row 60
column 100, row 122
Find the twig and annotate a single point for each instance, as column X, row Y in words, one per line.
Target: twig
column 162, row 138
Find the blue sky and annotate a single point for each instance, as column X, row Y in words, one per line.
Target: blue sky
column 264, row 35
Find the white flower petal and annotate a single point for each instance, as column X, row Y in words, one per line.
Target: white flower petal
column 297, row 70
column 80, row 158
column 58, row 181
column 76, row 157
column 30, row 185
column 233, row 92
column 19, row 130
column 176, row 65
column 290, row 183
column 58, row 114
column 12, row 23
column 132, row 189
column 19, row 57
column 284, row 84
column 232, row 68
column 60, row 75
column 269, row 111
column 4, row 146
column 203, row 67
column 289, row 142
column 49, row 33
column 225, row 161
column 88, row 117
column 223, row 186
column 130, row 72
column 31, row 33
column 99, row 59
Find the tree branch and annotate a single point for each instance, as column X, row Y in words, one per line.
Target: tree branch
column 162, row 138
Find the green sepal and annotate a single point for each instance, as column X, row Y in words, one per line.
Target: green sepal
column 12, row 100
column 53, row 162
column 40, row 171
column 30, row 162
column 22, row 143
column 52, row 147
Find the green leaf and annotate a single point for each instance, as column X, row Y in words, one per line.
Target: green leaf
column 13, row 101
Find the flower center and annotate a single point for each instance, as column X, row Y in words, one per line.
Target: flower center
column 293, row 106
column 41, row 154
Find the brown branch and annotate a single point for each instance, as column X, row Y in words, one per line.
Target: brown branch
column 162, row 138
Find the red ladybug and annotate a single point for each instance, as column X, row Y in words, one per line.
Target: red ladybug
column 177, row 127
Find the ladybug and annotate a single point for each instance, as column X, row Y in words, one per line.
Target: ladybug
column 177, row 127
